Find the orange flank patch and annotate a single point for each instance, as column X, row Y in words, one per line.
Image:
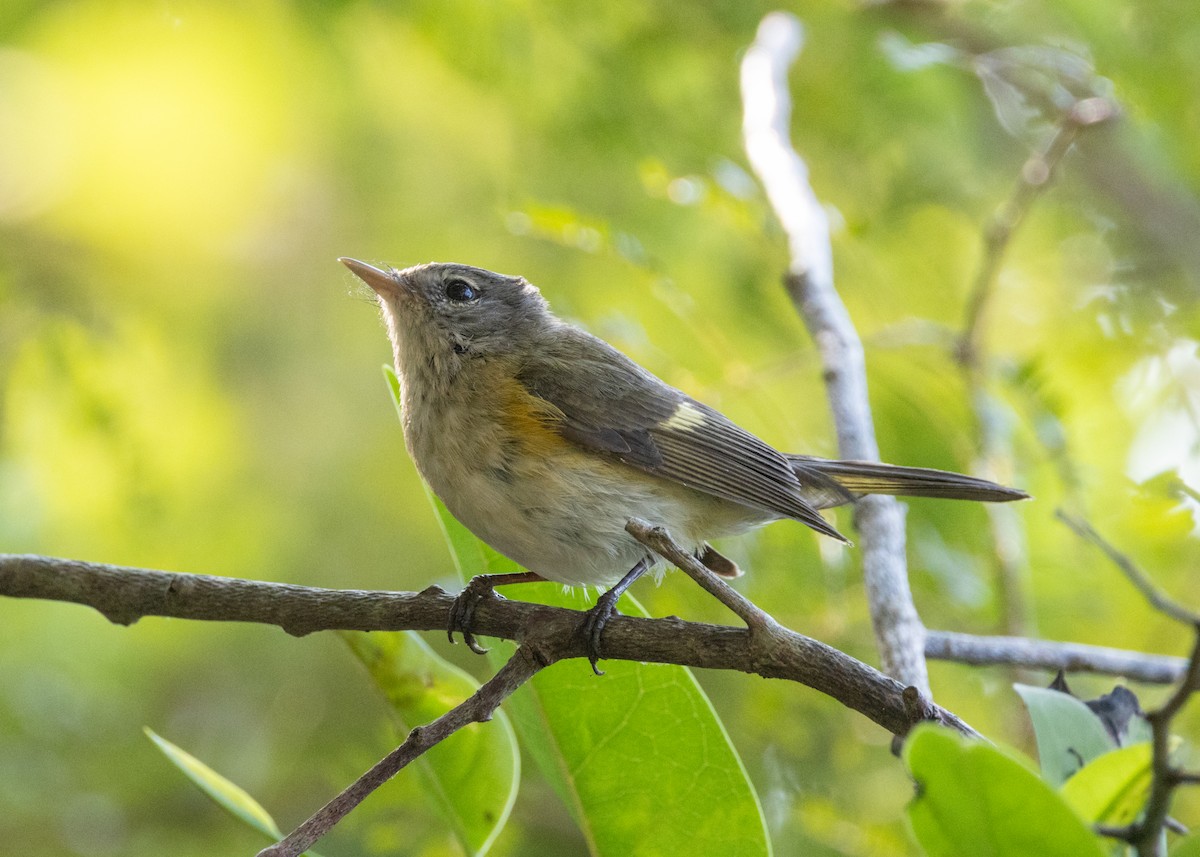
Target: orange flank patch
column 533, row 420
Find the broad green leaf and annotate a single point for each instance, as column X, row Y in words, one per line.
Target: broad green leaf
column 973, row 799
column 230, row 797
column 472, row 776
column 1189, row 847
column 1068, row 734
column 1112, row 789
column 638, row 755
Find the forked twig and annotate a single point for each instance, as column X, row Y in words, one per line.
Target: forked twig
column 1145, row 833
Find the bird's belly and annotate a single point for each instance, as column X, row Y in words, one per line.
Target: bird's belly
column 563, row 515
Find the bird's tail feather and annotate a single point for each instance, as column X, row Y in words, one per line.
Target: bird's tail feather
column 857, row 478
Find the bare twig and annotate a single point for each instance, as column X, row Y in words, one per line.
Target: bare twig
column 1141, row 581
column 478, row 708
column 880, row 520
column 659, row 541
column 993, row 446
column 1157, row 209
column 1048, row 655
column 1145, row 834
column 1187, row 490
column 1036, row 176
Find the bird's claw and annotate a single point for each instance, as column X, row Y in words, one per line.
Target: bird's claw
column 593, row 628
column 462, row 611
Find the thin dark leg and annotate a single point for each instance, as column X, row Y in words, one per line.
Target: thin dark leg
column 479, row 587
column 606, row 605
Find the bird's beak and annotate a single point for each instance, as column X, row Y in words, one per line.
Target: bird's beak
column 385, row 284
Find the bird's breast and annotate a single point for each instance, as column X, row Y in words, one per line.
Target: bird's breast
column 492, row 452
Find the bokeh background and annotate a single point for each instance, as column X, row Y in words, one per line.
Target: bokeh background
column 189, row 381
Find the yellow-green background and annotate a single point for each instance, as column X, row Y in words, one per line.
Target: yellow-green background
column 189, row 381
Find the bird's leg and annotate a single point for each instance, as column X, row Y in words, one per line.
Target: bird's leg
column 606, row 605
column 481, row 586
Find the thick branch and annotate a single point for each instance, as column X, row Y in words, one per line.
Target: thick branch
column 126, row 594
column 880, row 520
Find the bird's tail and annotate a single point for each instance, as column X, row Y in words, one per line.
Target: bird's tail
column 856, row 478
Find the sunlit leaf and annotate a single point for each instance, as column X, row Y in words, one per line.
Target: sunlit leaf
column 973, row 799
column 230, row 797
column 1069, row 734
column 1112, row 789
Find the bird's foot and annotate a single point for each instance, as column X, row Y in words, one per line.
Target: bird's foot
column 606, row 606
column 481, row 586
column 595, row 622
column 462, row 612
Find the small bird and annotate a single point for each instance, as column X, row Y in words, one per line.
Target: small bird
column 544, row 441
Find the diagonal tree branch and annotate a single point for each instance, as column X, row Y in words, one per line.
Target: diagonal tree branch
column 880, row 520
column 477, row 708
column 546, row 635
column 1141, row 581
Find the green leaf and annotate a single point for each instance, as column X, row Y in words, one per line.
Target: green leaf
column 472, row 776
column 1069, row 734
column 230, row 797
column 973, row 799
column 638, row 756
column 1112, row 789
column 393, row 384
column 1137, row 732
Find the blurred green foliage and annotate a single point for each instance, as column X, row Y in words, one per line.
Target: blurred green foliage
column 189, row 381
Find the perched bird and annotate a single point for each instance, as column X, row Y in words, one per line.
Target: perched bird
column 545, row 440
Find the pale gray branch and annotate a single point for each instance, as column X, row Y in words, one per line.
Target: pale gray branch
column 784, row 175
column 1049, row 655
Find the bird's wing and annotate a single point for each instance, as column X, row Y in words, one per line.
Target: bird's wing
column 612, row 406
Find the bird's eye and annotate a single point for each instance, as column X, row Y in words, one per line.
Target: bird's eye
column 461, row 291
